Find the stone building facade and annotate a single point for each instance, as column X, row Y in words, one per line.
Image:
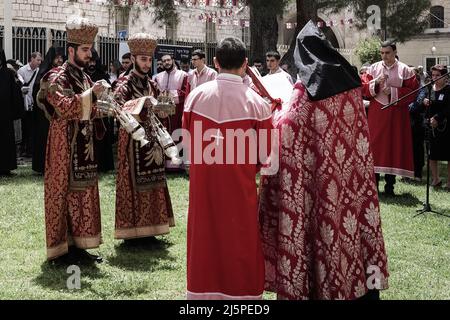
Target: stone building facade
column 426, row 49
column 198, row 24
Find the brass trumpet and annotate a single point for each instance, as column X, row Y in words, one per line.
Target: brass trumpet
column 108, row 105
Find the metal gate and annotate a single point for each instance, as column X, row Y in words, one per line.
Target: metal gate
column 27, row 40
column 30, row 39
column 108, row 49
column 59, row 38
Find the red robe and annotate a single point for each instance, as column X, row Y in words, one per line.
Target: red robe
column 319, row 216
column 390, row 129
column 143, row 206
column 72, row 207
column 224, row 257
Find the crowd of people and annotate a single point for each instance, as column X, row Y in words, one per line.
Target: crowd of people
column 312, row 230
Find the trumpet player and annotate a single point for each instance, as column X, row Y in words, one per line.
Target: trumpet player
column 143, row 205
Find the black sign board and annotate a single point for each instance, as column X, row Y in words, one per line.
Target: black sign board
column 177, row 52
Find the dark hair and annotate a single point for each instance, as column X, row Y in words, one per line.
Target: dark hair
column 391, row 44
column 441, row 68
column 72, row 45
column 273, row 54
column 184, row 60
column 230, row 53
column 257, row 60
column 199, row 53
column 127, row 56
column 34, row 55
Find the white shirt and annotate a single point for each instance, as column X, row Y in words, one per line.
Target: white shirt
column 112, row 77
column 279, row 70
column 27, row 73
column 197, row 78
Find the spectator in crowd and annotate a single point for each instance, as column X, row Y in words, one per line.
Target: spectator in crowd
column 28, row 73
column 439, row 116
column 159, row 66
column 273, row 65
column 201, row 73
column 115, row 68
column 185, row 65
column 103, row 148
column 126, row 63
column 416, row 115
column 258, row 64
column 11, row 108
column 422, row 74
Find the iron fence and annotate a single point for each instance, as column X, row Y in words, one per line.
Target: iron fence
column 59, row 38
column 29, row 39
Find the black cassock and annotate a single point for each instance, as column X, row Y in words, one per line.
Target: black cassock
column 40, row 131
column 104, row 147
column 11, row 108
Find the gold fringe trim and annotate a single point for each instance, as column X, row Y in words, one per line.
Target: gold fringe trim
column 142, row 232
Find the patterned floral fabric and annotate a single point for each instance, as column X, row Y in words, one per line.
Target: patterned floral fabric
column 319, row 216
column 71, row 217
column 143, row 205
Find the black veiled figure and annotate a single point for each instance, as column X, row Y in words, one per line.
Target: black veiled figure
column 40, row 122
column 11, row 108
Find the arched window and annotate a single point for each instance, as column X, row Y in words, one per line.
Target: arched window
column 437, row 17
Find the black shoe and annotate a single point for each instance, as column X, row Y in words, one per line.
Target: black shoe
column 6, row 174
column 141, row 242
column 82, row 256
column 131, row 242
column 64, row 260
column 389, row 192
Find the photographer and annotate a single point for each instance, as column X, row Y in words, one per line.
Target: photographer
column 439, row 114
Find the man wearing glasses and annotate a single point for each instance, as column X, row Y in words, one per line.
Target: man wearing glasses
column 202, row 73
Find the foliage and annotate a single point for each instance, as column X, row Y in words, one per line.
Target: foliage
column 368, row 50
column 164, row 11
column 400, row 19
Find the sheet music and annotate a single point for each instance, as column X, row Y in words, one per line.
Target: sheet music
column 278, row 87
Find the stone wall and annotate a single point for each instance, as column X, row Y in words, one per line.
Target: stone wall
column 54, row 13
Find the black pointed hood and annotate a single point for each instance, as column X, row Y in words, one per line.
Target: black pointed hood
column 322, row 70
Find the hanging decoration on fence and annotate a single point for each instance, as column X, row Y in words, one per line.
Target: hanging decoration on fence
column 187, row 3
column 322, row 24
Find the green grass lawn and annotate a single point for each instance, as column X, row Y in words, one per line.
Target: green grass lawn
column 418, row 248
